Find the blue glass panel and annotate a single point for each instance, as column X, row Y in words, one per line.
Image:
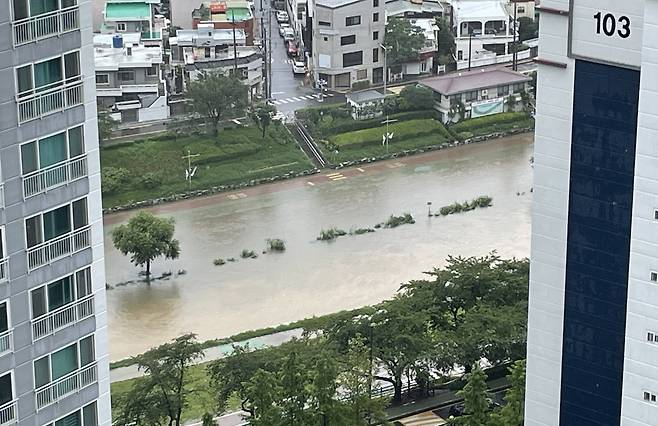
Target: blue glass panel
column 604, row 131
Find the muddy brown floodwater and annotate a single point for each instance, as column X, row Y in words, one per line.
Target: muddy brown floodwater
column 313, row 277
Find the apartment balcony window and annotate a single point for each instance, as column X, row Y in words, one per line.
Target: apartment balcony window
column 57, row 233
column 6, row 335
column 85, row 417
column 48, row 87
column 36, row 20
column 7, row 400
column 4, row 260
column 53, row 161
column 65, row 372
column 61, row 303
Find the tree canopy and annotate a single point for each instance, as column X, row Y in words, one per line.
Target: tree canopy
column 106, row 125
column 446, row 41
column 403, row 41
column 262, row 114
column 216, row 97
column 159, row 397
column 528, row 28
column 146, row 237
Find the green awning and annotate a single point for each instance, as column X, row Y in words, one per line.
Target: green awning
column 128, row 11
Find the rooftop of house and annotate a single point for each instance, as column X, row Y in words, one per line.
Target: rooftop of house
column 124, row 10
column 400, row 7
column 481, row 10
column 428, row 25
column 365, row 96
column 224, row 11
column 207, row 35
column 453, row 84
column 245, row 55
column 333, row 4
column 108, row 58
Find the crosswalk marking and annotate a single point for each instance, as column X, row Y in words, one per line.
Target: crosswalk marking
column 332, row 174
column 299, row 98
column 360, row 169
column 339, row 178
column 311, row 183
column 336, row 176
column 237, row 196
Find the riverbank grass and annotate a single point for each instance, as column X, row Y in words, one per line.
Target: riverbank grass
column 154, row 168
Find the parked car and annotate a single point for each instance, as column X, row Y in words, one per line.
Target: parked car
column 298, row 68
column 282, row 16
column 282, row 29
column 288, row 35
column 293, row 49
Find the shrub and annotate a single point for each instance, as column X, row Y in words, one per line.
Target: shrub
column 246, row 254
column 330, row 234
column 360, row 85
column 276, row 244
column 150, row 180
column 402, row 131
column 218, row 262
column 113, row 178
column 395, row 221
column 480, row 202
column 416, row 98
column 475, row 123
column 344, row 126
column 360, row 231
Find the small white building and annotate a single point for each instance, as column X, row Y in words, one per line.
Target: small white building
column 129, row 78
column 210, row 49
column 365, row 104
column 484, row 31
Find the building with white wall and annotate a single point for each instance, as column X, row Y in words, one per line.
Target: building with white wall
column 593, row 308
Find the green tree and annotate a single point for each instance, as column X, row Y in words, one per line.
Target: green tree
column 511, row 414
column 528, row 28
column 262, row 114
column 216, row 97
column 446, row 39
column 146, row 237
column 265, row 390
column 160, row 396
column 106, row 125
column 416, row 98
column 208, row 420
column 476, row 402
column 403, row 41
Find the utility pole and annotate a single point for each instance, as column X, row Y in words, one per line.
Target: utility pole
column 189, row 172
column 264, row 46
column 385, row 68
column 387, row 137
column 235, row 47
column 470, row 43
column 514, row 46
column 269, row 52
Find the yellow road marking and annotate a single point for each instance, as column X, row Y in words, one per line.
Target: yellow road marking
column 332, row 174
column 339, row 178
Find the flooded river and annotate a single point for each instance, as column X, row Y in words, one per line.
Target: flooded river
column 313, row 277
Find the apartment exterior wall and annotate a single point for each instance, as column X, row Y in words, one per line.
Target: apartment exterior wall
column 328, row 51
column 12, row 219
column 592, row 310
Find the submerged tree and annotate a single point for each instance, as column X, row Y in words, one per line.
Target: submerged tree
column 146, row 237
column 262, row 115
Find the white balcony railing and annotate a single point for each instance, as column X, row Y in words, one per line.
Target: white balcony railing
column 56, row 175
column 4, row 269
column 49, row 24
column 62, row 317
column 59, row 247
column 8, row 413
column 74, row 382
column 55, row 99
column 6, row 342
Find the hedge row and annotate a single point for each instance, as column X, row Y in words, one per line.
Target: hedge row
column 353, row 125
column 475, row 123
column 401, row 131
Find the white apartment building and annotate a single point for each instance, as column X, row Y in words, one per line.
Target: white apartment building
column 593, row 308
column 129, row 79
column 54, row 366
column 347, row 35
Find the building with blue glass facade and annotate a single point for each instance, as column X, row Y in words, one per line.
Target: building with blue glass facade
column 593, row 308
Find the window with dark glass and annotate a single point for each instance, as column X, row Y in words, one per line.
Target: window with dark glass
column 4, row 318
column 375, row 35
column 324, row 23
column 375, row 3
column 42, row 153
column 6, row 389
column 352, row 20
column 352, row 59
column 63, row 362
column 50, row 297
column 345, row 40
column 126, row 75
column 375, row 17
column 57, row 222
column 45, row 75
column 375, row 55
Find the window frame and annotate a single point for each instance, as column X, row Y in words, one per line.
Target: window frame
column 375, row 55
column 324, row 23
column 350, row 20
column 152, row 67
column 12, row 377
column 29, row 11
column 50, row 365
column 68, row 203
column 375, row 35
column 76, row 296
column 120, row 80
column 354, row 64
column 653, row 276
column 9, row 324
column 375, row 3
column 46, row 136
column 33, row 89
column 351, row 39
column 80, row 410
column 375, row 17
column 124, row 25
column 106, row 75
column 3, row 240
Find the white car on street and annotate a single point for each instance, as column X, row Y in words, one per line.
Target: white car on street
column 282, row 16
column 282, row 29
column 288, row 34
column 298, row 68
